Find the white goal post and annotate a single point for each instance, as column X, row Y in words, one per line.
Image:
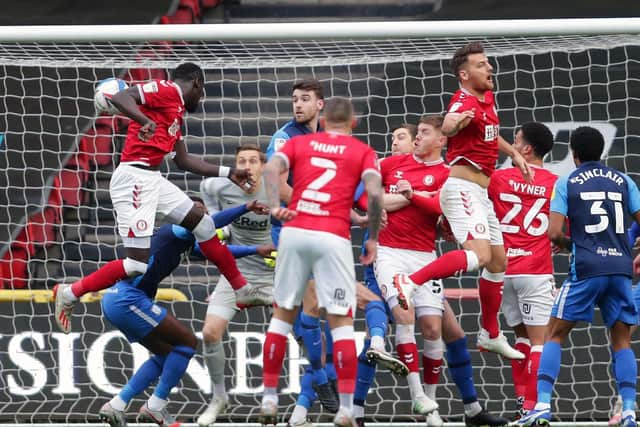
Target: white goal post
column 563, row 72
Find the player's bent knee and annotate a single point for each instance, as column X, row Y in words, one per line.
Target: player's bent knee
column 212, row 333
column 133, row 267
column 185, row 350
column 205, row 229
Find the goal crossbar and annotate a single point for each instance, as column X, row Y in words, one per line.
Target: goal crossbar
column 319, row 30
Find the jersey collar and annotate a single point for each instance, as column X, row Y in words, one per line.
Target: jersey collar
column 427, row 162
column 177, row 86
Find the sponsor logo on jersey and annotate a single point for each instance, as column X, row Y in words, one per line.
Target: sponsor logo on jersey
column 604, row 252
column 151, row 87
column 491, row 132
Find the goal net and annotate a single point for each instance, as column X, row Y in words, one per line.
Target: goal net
column 57, row 224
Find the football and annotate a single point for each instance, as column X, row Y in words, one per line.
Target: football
column 105, row 89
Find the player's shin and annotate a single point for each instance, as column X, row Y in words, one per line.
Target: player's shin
column 174, row 368
column 459, row 366
column 217, row 253
column 364, row 378
column 305, row 399
column 312, row 339
column 519, row 371
column 490, row 291
column 376, row 317
column 626, row 371
column 449, row 264
column 148, row 373
column 274, row 348
column 408, row 353
column 103, row 278
column 531, row 376
column 547, row 373
column 214, row 358
column 431, row 365
column 345, row 361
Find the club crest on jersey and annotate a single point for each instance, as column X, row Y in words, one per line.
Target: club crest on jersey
column 428, row 180
column 141, row 225
column 174, row 128
column 480, row 228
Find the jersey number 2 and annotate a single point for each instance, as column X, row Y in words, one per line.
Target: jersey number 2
column 312, row 192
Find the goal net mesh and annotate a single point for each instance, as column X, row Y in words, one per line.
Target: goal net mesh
column 56, row 158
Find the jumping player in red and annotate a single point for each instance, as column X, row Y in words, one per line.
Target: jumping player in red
column 523, row 211
column 139, row 191
column 327, row 168
column 472, row 126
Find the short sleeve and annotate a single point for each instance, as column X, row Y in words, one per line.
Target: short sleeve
column 287, row 152
column 277, row 142
column 634, row 196
column 460, row 104
column 370, row 163
column 210, row 192
column 159, row 93
column 559, row 197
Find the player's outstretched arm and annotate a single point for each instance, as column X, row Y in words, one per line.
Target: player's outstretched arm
column 556, row 231
column 455, row 122
column 195, row 164
column 271, row 176
column 127, row 102
column 516, row 158
column 372, row 184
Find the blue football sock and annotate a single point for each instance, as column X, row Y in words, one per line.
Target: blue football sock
column 173, row 370
column 459, row 364
column 144, row 376
column 626, row 370
column 307, row 395
column 312, row 339
column 328, row 363
column 366, row 373
column 376, row 317
column 548, row 370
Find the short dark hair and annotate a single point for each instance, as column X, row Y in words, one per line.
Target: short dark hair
column 461, row 55
column 338, row 110
column 311, row 85
column 196, row 199
column 538, row 136
column 412, row 129
column 188, row 71
column 251, row 147
column 587, row 144
column 434, row 120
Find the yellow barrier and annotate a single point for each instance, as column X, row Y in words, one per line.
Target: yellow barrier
column 46, row 296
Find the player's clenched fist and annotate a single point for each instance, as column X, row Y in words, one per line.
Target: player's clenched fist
column 283, row 214
column 242, row 177
column 147, row 130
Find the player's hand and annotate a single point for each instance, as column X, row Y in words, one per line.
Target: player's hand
column 265, row 250
column 636, row 265
column 147, row 130
column 555, row 249
column 242, row 178
column 258, row 208
column 361, row 221
column 404, row 187
column 445, row 229
column 283, row 214
column 465, row 117
column 371, row 251
column 526, row 170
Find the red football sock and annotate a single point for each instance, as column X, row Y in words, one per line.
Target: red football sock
column 408, row 353
column 490, row 300
column 100, row 279
column 345, row 361
column 531, row 395
column 431, row 370
column 273, row 350
column 221, row 256
column 447, row 265
column 519, row 369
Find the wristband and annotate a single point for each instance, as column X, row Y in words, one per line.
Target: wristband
column 224, row 171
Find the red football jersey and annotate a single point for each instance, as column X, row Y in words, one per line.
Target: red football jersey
column 477, row 143
column 162, row 102
column 409, row 227
column 523, row 212
column 326, row 168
